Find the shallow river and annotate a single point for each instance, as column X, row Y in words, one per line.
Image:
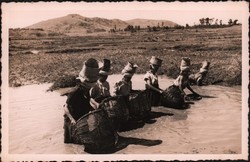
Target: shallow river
column 210, row 126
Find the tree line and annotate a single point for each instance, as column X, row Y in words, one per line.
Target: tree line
column 203, row 23
column 213, row 21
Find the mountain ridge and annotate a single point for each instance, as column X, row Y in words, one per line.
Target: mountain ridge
column 151, row 22
column 78, row 24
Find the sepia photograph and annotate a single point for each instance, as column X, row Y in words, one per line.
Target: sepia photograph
column 124, row 81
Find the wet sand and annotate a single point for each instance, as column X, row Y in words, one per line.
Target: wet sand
column 210, row 126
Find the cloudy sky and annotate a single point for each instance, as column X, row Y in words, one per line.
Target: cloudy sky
column 24, row 14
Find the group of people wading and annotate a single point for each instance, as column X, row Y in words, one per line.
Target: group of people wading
column 93, row 117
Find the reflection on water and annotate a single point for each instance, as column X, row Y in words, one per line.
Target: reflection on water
column 210, row 126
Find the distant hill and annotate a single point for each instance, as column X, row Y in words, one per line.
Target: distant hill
column 147, row 22
column 77, row 24
column 74, row 24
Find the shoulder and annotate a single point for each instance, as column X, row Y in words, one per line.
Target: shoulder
column 94, row 87
column 148, row 75
column 197, row 75
column 94, row 90
column 149, row 72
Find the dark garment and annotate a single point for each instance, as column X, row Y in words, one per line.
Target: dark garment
column 139, row 104
column 78, row 105
column 155, row 98
column 154, row 95
column 78, row 102
column 67, row 130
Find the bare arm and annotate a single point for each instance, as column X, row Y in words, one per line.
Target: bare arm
column 66, row 110
column 148, row 85
column 93, row 93
column 94, row 104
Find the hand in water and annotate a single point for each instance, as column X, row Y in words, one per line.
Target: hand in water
column 73, row 121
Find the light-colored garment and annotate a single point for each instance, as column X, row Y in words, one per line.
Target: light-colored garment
column 181, row 80
column 195, row 77
column 123, row 88
column 100, row 89
column 153, row 79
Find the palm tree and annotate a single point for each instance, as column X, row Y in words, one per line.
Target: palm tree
column 202, row 21
column 207, row 21
column 220, row 22
column 216, row 22
column 235, row 22
column 211, row 21
column 230, row 22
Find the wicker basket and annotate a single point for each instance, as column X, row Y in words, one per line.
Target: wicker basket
column 139, row 104
column 116, row 108
column 172, row 97
column 95, row 131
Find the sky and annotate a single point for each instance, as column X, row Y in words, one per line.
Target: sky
column 18, row 15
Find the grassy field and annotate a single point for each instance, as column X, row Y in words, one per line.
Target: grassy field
column 37, row 56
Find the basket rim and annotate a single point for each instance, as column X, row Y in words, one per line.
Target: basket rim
column 91, row 112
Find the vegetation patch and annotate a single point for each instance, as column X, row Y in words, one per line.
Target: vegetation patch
column 63, row 82
column 59, row 58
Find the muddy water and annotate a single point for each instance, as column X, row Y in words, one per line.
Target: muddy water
column 210, row 126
